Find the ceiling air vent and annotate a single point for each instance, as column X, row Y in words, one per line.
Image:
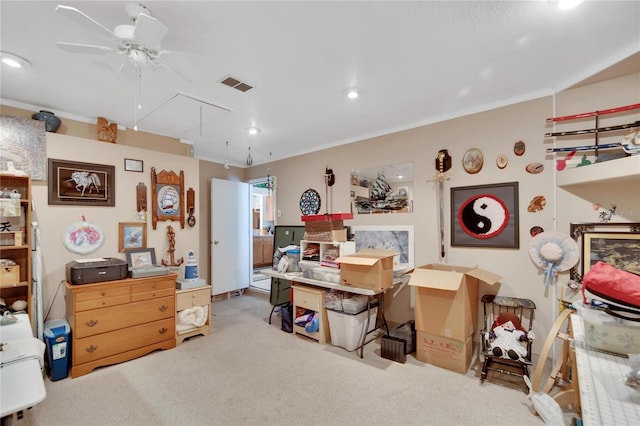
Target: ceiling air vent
column 236, row 84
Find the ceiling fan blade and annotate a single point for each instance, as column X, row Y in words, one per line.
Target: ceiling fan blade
column 149, row 31
column 84, row 19
column 85, row 48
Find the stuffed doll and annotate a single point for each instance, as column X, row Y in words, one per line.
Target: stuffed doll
column 508, row 338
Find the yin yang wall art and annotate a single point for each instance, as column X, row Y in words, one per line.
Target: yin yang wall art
column 485, row 216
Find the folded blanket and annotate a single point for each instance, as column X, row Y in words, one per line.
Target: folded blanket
column 196, row 316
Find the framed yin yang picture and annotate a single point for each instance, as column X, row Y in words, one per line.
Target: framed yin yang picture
column 485, row 216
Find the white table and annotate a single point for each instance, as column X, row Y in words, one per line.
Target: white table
column 21, row 381
column 604, row 398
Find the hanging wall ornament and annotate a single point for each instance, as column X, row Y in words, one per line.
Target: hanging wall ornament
column 443, row 164
column 82, row 237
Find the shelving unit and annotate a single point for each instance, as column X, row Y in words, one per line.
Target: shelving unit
column 15, row 230
column 311, row 298
column 190, row 298
column 343, row 248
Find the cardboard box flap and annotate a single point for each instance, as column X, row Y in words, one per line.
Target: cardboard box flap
column 484, row 276
column 433, row 278
column 366, row 257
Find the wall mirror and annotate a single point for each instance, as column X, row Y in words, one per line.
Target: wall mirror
column 382, row 189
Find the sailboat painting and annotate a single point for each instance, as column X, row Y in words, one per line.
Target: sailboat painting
column 168, row 200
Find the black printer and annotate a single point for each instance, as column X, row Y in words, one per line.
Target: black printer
column 96, row 270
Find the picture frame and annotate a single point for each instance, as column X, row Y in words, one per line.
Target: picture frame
column 131, row 165
column 167, row 197
column 141, row 257
column 388, row 237
column 132, row 235
column 498, row 228
column 611, row 240
column 80, row 184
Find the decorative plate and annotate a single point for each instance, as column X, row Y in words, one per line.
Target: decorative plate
column 472, row 160
column 519, row 148
column 82, row 238
column 310, row 202
column 502, row 161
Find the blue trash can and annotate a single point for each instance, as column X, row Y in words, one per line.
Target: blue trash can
column 56, row 336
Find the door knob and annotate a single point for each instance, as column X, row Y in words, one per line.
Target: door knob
column 215, row 242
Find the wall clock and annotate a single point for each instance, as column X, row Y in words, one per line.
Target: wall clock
column 167, row 197
column 310, row 202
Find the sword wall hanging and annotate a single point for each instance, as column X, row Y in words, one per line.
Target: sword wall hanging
column 443, row 164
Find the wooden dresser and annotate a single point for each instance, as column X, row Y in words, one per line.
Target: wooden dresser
column 116, row 321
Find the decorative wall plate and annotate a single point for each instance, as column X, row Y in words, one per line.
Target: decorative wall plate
column 518, row 148
column 310, row 202
column 534, row 168
column 501, row 161
column 82, row 238
column 472, row 160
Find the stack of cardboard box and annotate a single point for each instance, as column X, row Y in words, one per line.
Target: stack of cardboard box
column 326, row 227
column 446, row 313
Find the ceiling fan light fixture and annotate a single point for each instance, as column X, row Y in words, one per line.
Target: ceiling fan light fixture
column 14, row 61
column 249, row 158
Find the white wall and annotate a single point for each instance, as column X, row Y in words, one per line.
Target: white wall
column 493, row 132
column 54, row 219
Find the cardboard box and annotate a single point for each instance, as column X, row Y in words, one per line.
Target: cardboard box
column 442, row 352
column 368, row 268
column 338, row 235
column 447, row 299
column 323, row 225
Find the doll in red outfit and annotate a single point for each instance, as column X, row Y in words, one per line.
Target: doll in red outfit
column 508, row 338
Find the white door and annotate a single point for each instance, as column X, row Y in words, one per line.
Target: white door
column 230, row 236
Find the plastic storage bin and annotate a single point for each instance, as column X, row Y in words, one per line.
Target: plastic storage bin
column 605, row 332
column 355, row 304
column 346, row 329
column 56, row 336
column 294, row 258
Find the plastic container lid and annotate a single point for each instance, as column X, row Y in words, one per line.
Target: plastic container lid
column 293, row 251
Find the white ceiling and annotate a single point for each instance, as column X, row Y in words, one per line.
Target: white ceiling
column 415, row 63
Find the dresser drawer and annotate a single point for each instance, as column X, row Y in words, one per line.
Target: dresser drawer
column 93, row 348
column 305, row 297
column 152, row 289
column 117, row 317
column 190, row 298
column 101, row 298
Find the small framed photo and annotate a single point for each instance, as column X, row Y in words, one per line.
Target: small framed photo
column 131, row 165
column 132, row 235
column 141, row 257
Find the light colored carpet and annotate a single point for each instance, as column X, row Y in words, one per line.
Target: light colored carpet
column 251, row 373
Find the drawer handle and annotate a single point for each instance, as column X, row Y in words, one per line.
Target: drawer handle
column 163, row 330
column 103, row 294
column 91, row 323
column 154, row 286
column 163, row 308
column 91, row 349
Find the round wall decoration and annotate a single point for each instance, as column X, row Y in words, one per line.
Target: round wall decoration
column 310, row 202
column 501, row 161
column 519, row 148
column 472, row 160
column 82, row 238
column 483, row 216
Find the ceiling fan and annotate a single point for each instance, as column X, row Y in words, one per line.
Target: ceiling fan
column 139, row 42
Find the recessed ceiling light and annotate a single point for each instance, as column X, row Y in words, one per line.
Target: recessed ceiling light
column 254, row 131
column 12, row 60
column 352, row 93
column 568, row 4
